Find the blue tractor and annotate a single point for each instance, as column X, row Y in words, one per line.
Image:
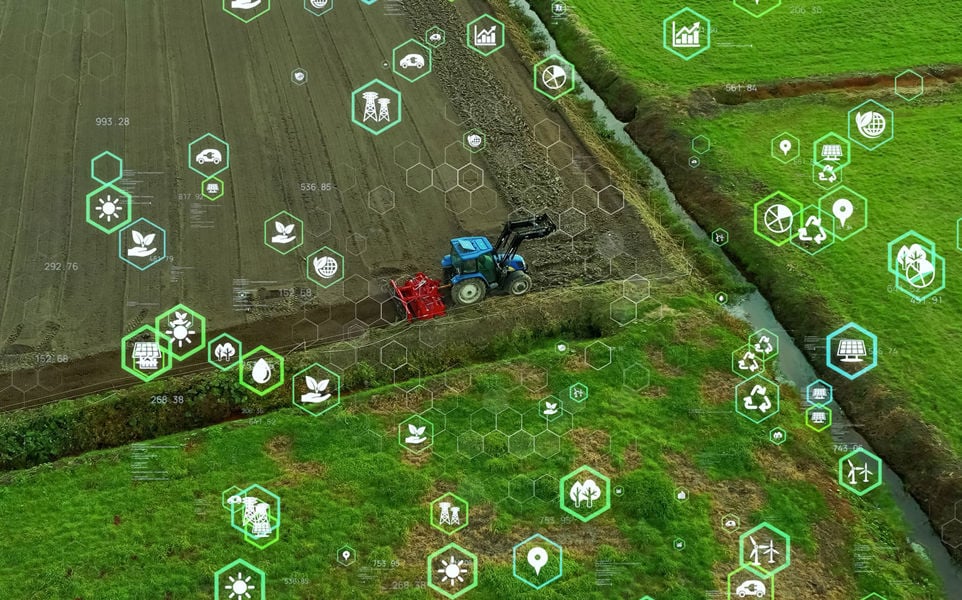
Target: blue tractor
column 476, row 267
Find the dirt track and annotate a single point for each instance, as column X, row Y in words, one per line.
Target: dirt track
column 179, row 70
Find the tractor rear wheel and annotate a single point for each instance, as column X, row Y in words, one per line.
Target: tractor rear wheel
column 469, row 291
column 519, row 283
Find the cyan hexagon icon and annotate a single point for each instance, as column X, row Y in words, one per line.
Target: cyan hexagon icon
column 871, row 125
column 851, row 351
column 537, row 561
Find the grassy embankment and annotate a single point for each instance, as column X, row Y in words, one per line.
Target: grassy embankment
column 85, row 530
column 904, row 407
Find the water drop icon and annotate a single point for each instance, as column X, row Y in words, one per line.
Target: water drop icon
column 261, row 372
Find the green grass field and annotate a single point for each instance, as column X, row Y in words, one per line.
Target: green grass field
column 86, row 530
column 908, row 188
column 867, row 36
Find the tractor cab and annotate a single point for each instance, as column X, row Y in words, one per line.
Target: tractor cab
column 473, row 257
column 476, row 266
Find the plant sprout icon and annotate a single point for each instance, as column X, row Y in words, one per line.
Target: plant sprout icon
column 417, row 434
column 283, row 233
column 109, row 209
column 586, row 492
column 142, row 242
column 317, row 395
column 180, row 329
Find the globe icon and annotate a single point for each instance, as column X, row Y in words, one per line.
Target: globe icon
column 871, row 124
column 778, row 218
column 325, row 266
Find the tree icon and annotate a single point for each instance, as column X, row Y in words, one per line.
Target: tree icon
column 586, row 492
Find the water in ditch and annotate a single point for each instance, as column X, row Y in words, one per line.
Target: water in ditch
column 794, row 367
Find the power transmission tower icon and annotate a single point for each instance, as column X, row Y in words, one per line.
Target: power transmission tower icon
column 376, row 107
column 384, row 114
column 370, row 112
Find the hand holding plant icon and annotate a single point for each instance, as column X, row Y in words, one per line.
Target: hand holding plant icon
column 283, row 233
column 142, row 241
column 317, row 390
column 417, row 434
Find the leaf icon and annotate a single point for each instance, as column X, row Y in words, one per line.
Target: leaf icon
column 147, row 239
column 862, row 119
column 138, row 238
column 311, row 383
column 289, row 229
column 279, row 226
column 415, row 430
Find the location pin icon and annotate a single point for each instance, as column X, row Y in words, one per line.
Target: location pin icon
column 346, row 554
column 537, row 558
column 842, row 209
column 785, row 146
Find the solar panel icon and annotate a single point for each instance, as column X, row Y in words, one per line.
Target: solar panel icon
column 851, row 350
column 832, row 152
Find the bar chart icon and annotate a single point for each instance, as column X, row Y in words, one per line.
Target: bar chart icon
column 685, row 37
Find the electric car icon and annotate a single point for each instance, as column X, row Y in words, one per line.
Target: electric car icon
column 210, row 155
column 752, row 587
column 412, row 60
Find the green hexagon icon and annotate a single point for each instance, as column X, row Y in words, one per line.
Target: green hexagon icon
column 415, row 434
column 208, row 155
column 255, row 511
column 240, row 579
column 757, row 398
column 587, row 495
column 818, row 417
column 225, row 352
column 246, row 10
column 919, row 270
column 474, row 140
column 109, row 208
column 144, row 353
column 106, row 168
column 815, row 231
column 411, row 60
column 435, row 37
column 746, row 362
column 871, row 125
column 261, row 370
column 909, row 85
column 185, row 328
column 757, row 8
column 578, row 392
column 860, row 471
column 449, row 513
column 485, row 35
column 325, row 267
column 316, row 389
column 743, row 583
column 376, row 107
column 765, row 550
column 832, row 150
column 778, row 436
column 849, row 208
column 764, row 344
column 874, row 596
column 283, row 233
column 700, row 144
column 686, row 33
column 542, row 561
column 786, row 147
column 554, row 77
column 778, row 212
column 212, row 188
column 452, row 571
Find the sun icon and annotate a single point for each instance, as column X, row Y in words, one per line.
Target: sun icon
column 179, row 328
column 109, row 209
column 240, row 586
column 452, row 570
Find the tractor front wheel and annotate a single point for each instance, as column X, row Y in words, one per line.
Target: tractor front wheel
column 519, row 283
column 469, row 291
